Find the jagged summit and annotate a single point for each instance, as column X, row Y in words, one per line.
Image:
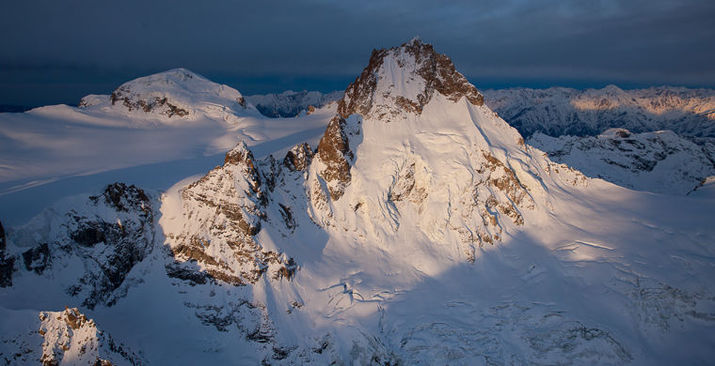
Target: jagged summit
column 397, row 83
column 174, row 93
column 405, row 78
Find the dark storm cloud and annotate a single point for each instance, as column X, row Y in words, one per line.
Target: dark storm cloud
column 285, row 43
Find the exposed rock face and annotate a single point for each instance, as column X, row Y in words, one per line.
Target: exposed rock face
column 108, row 234
column 224, row 211
column 52, row 338
column 299, row 157
column 334, row 152
column 162, row 105
column 427, row 70
column 37, row 259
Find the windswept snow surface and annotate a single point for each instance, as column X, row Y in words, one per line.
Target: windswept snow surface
column 56, row 143
column 392, row 261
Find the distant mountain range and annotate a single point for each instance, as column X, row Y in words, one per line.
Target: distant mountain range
column 291, row 103
column 560, row 111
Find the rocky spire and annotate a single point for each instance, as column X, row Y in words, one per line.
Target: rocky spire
column 406, row 77
column 396, row 81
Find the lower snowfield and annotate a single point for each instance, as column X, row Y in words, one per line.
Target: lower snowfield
column 608, row 276
column 45, row 152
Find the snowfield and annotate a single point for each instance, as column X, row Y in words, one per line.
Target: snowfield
column 415, row 227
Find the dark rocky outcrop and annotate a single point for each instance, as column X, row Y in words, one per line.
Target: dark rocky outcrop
column 224, row 212
column 334, row 152
column 124, row 198
column 6, row 263
column 126, row 241
column 112, row 235
column 37, row 259
column 165, row 107
column 299, row 157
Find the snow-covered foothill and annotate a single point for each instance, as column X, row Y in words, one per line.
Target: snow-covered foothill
column 658, row 161
column 172, row 96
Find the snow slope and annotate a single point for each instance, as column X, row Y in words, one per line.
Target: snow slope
column 52, row 143
column 421, row 230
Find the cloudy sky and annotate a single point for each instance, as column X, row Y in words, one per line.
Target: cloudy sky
column 57, row 51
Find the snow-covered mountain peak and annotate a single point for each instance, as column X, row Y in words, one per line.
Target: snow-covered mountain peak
column 174, row 93
column 414, row 149
column 214, row 236
column 404, row 79
column 239, row 155
column 60, row 338
column 398, row 84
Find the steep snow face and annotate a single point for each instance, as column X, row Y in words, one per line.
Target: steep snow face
column 413, row 149
column 83, row 249
column 59, row 338
column 562, row 111
column 654, row 161
column 177, row 93
column 291, row 103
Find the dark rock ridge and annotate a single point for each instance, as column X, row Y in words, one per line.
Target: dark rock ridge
column 299, row 157
column 437, row 71
column 334, row 152
column 163, row 105
column 6, row 263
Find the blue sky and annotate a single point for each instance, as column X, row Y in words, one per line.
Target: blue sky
column 58, row 51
